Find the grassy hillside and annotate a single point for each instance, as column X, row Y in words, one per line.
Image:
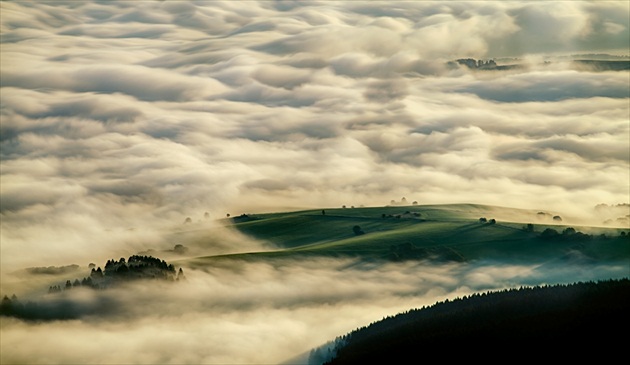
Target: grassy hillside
column 440, row 232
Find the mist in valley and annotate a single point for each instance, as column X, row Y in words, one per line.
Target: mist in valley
column 242, row 310
column 147, row 127
column 254, row 312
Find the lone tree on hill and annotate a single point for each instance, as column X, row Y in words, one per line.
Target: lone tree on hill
column 357, row 230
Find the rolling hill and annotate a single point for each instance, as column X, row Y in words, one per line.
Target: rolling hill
column 457, row 232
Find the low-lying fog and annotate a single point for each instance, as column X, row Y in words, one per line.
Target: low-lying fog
column 121, row 119
column 252, row 313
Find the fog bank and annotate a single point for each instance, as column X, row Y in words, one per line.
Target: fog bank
column 254, row 313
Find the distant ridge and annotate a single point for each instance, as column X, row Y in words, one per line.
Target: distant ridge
column 588, row 62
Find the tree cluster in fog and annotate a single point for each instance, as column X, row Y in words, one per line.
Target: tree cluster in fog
column 116, row 273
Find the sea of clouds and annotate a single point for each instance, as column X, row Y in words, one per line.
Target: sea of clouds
column 254, row 312
column 120, row 119
column 131, row 115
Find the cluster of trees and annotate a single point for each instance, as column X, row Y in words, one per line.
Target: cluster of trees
column 534, row 318
column 480, row 65
column 85, row 282
column 477, row 64
column 487, row 221
column 550, row 233
column 141, row 267
column 568, row 234
column 135, row 267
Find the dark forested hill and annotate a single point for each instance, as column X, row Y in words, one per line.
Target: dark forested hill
column 565, row 322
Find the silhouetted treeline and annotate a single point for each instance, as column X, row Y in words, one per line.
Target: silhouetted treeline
column 604, row 65
column 590, row 64
column 52, row 270
column 474, row 64
column 477, row 64
column 568, row 234
column 565, row 322
column 60, row 308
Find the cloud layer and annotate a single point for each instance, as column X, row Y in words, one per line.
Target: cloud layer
column 253, row 313
column 121, row 119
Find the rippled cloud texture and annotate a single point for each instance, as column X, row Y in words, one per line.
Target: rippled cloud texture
column 124, row 113
column 121, row 118
column 130, row 114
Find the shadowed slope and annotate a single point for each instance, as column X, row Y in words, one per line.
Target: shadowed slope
column 533, row 323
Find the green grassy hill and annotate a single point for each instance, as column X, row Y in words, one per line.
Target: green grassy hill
column 437, row 232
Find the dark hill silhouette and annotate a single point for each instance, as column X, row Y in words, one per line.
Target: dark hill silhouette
column 561, row 322
column 590, row 64
column 604, row 65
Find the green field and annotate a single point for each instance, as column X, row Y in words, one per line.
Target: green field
column 435, row 232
